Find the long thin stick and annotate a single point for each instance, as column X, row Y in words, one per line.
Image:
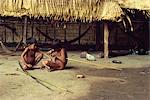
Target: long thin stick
column 40, row 81
column 90, row 63
column 85, row 62
column 18, row 44
column 26, row 72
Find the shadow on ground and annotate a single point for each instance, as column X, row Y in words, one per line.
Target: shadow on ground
column 128, row 84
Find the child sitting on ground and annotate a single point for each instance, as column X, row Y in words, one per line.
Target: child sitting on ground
column 58, row 58
column 31, row 55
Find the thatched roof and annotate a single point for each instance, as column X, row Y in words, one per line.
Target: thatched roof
column 71, row 9
column 66, row 9
column 136, row 4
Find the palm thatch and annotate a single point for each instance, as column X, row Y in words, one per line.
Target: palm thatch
column 62, row 9
column 136, row 4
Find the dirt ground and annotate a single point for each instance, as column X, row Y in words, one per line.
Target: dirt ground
column 101, row 82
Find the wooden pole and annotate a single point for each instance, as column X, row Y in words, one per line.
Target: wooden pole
column 79, row 31
column 46, row 32
column 13, row 33
column 54, row 31
column 106, row 40
column 39, row 25
column 32, row 27
column 148, row 37
column 25, row 30
column 5, row 32
column 65, row 33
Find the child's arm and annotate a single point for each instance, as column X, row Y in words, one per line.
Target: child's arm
column 50, row 51
column 62, row 55
column 23, row 54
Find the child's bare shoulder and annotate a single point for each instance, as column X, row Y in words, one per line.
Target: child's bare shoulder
column 63, row 49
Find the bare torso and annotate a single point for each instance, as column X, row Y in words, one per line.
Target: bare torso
column 30, row 57
column 60, row 60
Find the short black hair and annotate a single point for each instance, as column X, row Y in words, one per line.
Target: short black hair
column 56, row 44
column 31, row 40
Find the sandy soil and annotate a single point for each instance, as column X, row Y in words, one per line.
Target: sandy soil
column 100, row 82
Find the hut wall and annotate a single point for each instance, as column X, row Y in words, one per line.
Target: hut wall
column 60, row 31
column 117, row 40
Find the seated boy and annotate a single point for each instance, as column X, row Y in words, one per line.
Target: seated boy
column 58, row 59
column 31, row 55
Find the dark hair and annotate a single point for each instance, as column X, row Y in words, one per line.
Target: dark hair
column 31, row 40
column 56, row 44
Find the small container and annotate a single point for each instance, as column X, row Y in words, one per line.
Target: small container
column 117, row 61
column 80, row 76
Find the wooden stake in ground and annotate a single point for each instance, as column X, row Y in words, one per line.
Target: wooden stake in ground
column 106, row 40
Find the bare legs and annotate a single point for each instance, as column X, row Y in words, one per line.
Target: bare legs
column 38, row 57
column 49, row 65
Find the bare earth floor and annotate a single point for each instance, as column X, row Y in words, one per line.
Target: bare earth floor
column 101, row 82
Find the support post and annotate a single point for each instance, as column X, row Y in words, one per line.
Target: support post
column 149, row 37
column 65, row 33
column 79, row 32
column 46, row 32
column 32, row 27
column 54, row 31
column 25, row 30
column 5, row 32
column 106, row 40
column 13, row 33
